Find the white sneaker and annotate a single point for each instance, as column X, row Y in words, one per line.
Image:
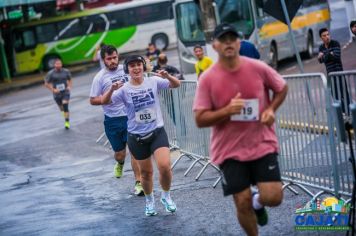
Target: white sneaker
column 169, row 204
column 150, row 208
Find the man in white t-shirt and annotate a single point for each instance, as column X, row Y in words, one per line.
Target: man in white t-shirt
column 115, row 121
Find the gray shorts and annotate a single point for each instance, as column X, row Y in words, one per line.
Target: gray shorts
column 142, row 147
column 62, row 96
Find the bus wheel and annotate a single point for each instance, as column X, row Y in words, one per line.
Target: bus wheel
column 48, row 62
column 310, row 46
column 273, row 55
column 161, row 41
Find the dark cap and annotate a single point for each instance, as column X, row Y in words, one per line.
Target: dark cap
column 224, row 28
column 133, row 58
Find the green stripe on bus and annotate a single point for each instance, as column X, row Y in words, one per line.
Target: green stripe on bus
column 74, row 50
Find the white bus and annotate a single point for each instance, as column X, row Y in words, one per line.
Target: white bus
column 268, row 34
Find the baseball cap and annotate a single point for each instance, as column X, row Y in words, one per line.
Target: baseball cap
column 133, row 58
column 224, row 28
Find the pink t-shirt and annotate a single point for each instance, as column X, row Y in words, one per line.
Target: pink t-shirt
column 239, row 140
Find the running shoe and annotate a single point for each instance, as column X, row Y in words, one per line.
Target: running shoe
column 66, row 125
column 138, row 189
column 118, row 170
column 261, row 214
column 150, row 208
column 168, row 204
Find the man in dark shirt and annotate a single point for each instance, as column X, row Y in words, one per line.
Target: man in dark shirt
column 329, row 52
column 152, row 53
column 162, row 65
column 330, row 55
column 59, row 82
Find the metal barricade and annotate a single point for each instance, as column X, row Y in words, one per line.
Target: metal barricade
column 310, row 154
column 343, row 88
column 193, row 142
column 305, row 130
column 103, row 137
column 169, row 116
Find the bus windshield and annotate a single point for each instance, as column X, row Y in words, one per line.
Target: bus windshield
column 235, row 12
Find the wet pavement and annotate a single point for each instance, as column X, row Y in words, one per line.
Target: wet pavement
column 60, row 182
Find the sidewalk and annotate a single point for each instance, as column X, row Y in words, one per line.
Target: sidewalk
column 24, row 81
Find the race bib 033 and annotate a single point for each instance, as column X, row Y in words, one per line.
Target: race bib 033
column 145, row 116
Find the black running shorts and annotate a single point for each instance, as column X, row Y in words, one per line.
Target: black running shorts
column 142, row 147
column 61, row 96
column 239, row 175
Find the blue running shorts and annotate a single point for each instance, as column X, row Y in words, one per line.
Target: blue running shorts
column 116, row 132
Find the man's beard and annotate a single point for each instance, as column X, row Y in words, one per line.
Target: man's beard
column 112, row 68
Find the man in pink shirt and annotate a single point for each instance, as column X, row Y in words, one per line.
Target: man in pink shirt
column 233, row 98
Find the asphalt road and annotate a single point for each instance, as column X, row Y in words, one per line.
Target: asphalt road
column 59, row 182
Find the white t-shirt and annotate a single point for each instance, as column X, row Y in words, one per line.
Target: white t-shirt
column 142, row 104
column 102, row 82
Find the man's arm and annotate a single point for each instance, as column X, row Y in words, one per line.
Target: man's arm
column 49, row 86
column 95, row 101
column 69, row 84
column 206, row 118
column 106, row 97
column 268, row 115
column 321, row 55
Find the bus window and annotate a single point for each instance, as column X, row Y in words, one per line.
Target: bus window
column 29, row 40
column 152, row 13
column 237, row 13
column 99, row 23
column 309, row 3
column 117, row 19
column 68, row 29
column 24, row 40
column 46, row 33
column 189, row 25
column 18, row 41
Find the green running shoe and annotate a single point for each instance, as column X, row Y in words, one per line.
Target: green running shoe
column 118, row 170
column 262, row 216
column 169, row 204
column 139, row 189
column 66, row 125
column 150, row 208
